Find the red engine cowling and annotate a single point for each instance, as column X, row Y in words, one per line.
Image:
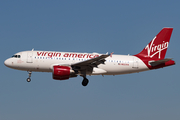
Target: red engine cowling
column 61, row 72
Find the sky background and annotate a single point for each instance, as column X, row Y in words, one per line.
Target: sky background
column 122, row 27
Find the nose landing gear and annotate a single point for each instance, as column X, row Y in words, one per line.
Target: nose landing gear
column 29, row 78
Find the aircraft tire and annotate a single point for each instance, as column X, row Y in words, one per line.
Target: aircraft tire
column 85, row 82
column 28, row 79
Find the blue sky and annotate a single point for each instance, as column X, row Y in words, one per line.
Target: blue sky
column 122, row 27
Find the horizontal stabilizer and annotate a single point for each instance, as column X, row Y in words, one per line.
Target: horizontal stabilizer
column 155, row 63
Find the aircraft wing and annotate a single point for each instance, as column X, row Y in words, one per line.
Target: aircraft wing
column 93, row 62
column 87, row 66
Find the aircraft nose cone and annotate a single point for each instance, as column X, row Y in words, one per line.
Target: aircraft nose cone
column 7, row 63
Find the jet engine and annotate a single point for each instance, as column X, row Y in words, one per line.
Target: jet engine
column 63, row 72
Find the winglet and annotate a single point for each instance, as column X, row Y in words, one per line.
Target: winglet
column 111, row 54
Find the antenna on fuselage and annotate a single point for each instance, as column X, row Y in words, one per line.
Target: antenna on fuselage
column 33, row 49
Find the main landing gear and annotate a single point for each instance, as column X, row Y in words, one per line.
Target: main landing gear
column 85, row 81
column 29, row 78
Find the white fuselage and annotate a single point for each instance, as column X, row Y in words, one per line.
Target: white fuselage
column 43, row 61
column 65, row 65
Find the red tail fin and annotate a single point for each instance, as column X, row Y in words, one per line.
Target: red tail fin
column 157, row 48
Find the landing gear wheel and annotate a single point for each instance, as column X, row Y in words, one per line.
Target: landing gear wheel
column 85, row 82
column 28, row 79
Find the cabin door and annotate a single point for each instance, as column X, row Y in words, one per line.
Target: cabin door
column 30, row 57
column 135, row 63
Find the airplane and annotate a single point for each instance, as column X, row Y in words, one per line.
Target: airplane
column 65, row 65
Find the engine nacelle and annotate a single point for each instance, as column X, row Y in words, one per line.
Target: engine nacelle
column 62, row 72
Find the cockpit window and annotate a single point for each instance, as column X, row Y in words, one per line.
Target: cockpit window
column 16, row 56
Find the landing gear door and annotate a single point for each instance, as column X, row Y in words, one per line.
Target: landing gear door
column 29, row 57
column 135, row 63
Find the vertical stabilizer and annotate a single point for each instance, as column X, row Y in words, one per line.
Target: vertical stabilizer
column 156, row 49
